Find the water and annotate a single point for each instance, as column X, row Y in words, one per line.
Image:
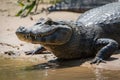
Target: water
column 26, row 70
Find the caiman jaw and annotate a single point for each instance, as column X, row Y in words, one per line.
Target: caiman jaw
column 45, row 35
column 55, row 36
column 27, row 35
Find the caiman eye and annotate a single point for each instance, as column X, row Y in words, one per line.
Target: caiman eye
column 38, row 23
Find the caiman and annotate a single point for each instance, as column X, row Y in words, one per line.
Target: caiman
column 95, row 33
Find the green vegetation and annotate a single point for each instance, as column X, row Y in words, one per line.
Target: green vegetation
column 29, row 5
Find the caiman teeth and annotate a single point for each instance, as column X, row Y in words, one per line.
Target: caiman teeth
column 35, row 37
column 27, row 36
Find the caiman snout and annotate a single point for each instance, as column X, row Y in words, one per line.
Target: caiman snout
column 23, row 34
column 47, row 33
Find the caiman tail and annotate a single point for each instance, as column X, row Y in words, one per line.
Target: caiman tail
column 79, row 6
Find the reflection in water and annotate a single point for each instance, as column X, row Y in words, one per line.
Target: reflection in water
column 98, row 74
column 64, row 70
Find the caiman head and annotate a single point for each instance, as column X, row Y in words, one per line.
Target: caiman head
column 46, row 32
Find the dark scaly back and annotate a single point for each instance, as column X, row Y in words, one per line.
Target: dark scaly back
column 106, row 17
column 105, row 14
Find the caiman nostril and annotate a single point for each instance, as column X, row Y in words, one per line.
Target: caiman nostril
column 21, row 28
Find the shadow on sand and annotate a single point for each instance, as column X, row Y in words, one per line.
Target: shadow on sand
column 58, row 63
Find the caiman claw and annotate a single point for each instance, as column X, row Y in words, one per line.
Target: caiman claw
column 97, row 60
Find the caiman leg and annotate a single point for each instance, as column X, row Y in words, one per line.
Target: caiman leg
column 107, row 47
column 39, row 50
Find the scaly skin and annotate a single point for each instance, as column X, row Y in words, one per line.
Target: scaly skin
column 78, row 5
column 95, row 33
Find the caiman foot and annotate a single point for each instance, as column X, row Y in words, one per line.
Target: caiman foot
column 39, row 50
column 107, row 48
column 29, row 52
column 97, row 60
